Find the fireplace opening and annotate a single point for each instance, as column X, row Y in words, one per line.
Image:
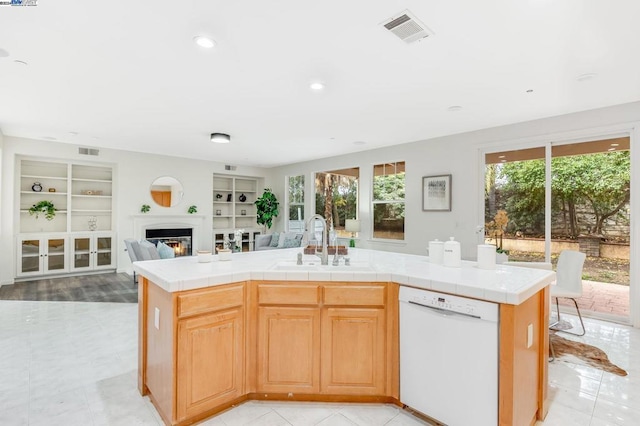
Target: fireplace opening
column 179, row 239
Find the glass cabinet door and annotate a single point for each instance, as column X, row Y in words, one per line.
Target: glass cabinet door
column 55, row 254
column 30, row 256
column 103, row 251
column 81, row 252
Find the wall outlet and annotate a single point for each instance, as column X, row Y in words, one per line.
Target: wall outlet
column 156, row 319
column 529, row 336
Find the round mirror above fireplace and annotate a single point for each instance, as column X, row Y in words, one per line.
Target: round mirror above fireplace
column 166, row 191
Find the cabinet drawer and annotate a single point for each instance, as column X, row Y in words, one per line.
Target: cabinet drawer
column 354, row 295
column 288, row 294
column 210, row 300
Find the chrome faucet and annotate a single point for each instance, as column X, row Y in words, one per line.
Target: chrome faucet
column 310, row 229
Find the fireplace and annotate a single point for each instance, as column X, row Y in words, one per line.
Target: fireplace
column 179, row 239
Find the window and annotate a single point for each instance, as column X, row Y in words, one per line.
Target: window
column 296, row 203
column 337, row 197
column 388, row 201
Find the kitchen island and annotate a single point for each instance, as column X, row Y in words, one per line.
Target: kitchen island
column 261, row 327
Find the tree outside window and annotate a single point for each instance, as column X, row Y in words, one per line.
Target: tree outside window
column 337, row 197
column 295, row 202
column 388, row 200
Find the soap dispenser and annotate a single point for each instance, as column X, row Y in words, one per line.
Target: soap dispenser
column 452, row 256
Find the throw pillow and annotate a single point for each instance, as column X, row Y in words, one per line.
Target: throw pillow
column 275, row 239
column 284, row 236
column 165, row 251
column 291, row 242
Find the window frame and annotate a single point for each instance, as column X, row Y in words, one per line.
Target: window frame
column 375, row 202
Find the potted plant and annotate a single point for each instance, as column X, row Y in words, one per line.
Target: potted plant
column 496, row 229
column 266, row 208
column 43, row 207
column 192, row 209
column 145, row 208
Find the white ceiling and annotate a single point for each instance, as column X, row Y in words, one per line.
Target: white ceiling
column 127, row 75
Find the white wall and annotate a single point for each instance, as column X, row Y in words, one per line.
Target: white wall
column 133, row 174
column 461, row 156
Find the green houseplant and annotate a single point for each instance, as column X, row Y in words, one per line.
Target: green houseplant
column 266, row 208
column 192, row 209
column 43, row 207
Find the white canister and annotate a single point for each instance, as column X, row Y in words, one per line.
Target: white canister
column 204, row 256
column 224, row 254
column 486, row 256
column 436, row 251
column 452, row 255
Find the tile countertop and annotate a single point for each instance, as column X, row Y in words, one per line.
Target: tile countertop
column 506, row 284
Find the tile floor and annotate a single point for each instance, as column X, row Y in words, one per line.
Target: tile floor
column 74, row 363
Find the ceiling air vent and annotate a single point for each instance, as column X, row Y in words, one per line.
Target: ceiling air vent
column 407, row 27
column 88, row 151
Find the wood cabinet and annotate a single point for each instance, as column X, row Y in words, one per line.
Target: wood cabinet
column 327, row 338
column 289, row 349
column 353, row 351
column 210, row 361
column 192, row 349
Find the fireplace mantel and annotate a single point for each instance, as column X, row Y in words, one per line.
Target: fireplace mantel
column 142, row 222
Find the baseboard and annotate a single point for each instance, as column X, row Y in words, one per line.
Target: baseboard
column 7, row 282
column 53, row 276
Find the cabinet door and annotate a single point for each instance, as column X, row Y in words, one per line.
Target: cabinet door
column 210, row 361
column 81, row 253
column 103, row 252
column 55, row 255
column 30, row 256
column 353, row 351
column 289, row 349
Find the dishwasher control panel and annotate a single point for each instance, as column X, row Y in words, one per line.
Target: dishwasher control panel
column 447, row 302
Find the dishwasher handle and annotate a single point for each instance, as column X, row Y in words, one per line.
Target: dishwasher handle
column 444, row 311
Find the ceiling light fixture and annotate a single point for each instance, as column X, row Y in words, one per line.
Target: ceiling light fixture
column 317, row 86
column 611, row 149
column 615, row 144
column 220, row 138
column 17, row 61
column 530, row 91
column 204, row 42
column 454, row 108
column 502, row 156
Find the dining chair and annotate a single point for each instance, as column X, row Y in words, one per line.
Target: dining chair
column 568, row 284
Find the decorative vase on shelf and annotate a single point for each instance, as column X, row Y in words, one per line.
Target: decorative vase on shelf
column 243, row 198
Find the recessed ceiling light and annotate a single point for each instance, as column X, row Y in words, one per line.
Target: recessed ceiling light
column 502, row 156
column 587, row 76
column 611, row 149
column 359, row 143
column 3, row 53
column 615, row 144
column 316, row 86
column 220, row 138
column 530, row 91
column 204, row 42
column 49, row 138
column 17, row 61
column 73, row 133
column 503, row 161
column 454, row 108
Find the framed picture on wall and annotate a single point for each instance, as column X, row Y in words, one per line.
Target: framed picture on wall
column 436, row 193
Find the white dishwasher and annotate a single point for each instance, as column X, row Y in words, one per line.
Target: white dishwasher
column 449, row 357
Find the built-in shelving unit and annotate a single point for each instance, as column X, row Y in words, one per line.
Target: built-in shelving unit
column 234, row 208
column 80, row 235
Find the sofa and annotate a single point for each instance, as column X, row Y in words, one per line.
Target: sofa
column 278, row 240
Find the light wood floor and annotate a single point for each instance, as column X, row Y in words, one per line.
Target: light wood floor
column 109, row 287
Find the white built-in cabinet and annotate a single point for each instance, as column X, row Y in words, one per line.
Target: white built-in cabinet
column 92, row 251
column 80, row 237
column 234, row 208
column 40, row 254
